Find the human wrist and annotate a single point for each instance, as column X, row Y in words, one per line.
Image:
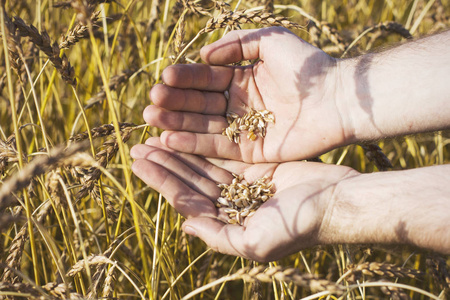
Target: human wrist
column 355, row 99
column 401, row 207
column 399, row 91
column 337, row 208
column 355, row 216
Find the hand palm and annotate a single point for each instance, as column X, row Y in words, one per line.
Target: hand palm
column 292, row 217
column 291, row 80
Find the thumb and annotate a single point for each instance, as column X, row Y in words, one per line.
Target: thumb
column 235, row 46
column 247, row 44
column 221, row 237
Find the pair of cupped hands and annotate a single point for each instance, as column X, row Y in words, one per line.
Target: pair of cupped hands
column 295, row 81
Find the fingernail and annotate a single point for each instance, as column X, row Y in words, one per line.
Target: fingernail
column 189, row 230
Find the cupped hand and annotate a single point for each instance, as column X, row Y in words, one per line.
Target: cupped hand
column 297, row 82
column 291, row 220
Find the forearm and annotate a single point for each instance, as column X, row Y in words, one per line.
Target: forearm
column 408, row 207
column 400, row 91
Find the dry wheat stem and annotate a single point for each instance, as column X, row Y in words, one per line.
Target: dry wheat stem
column 172, row 284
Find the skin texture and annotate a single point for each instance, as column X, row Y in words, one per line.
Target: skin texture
column 319, row 103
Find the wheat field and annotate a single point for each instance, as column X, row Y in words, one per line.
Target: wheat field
column 74, row 221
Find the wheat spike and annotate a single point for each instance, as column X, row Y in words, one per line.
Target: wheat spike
column 8, row 153
column 101, row 131
column 43, row 42
column 37, row 167
column 92, row 260
column 194, row 8
column 310, row 281
column 17, row 245
column 114, row 83
column 376, row 155
column 108, row 288
column 380, row 269
column 234, row 19
column 439, row 270
column 18, row 287
column 77, row 33
column 179, row 39
column 90, row 176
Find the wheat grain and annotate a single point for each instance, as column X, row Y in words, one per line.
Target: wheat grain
column 240, row 200
column 254, row 122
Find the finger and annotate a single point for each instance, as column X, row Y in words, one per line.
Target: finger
column 251, row 172
column 209, row 145
column 198, row 76
column 221, row 237
column 243, row 44
column 191, row 178
column 184, row 121
column 196, row 163
column 185, row 200
column 211, row 103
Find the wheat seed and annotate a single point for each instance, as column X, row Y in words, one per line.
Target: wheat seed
column 240, row 200
column 254, row 122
